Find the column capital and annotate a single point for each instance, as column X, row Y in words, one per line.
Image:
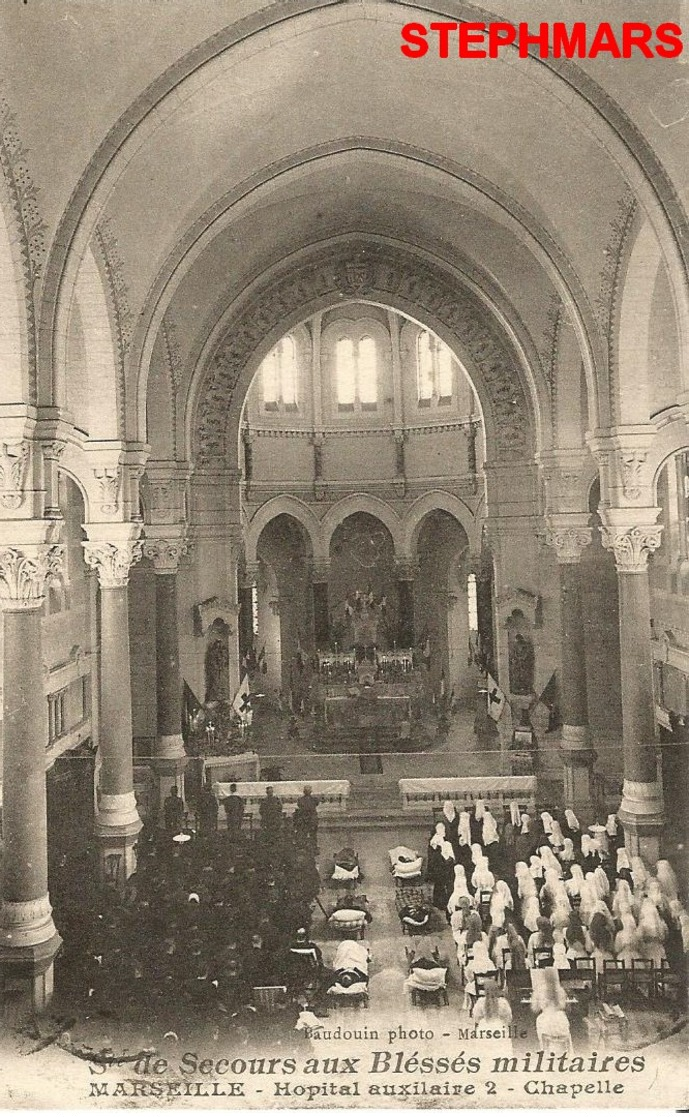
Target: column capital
column 249, row 575
column 568, row 535
column 165, row 554
column 406, row 569
column 631, row 539
column 112, row 550
column 320, row 570
column 25, row 573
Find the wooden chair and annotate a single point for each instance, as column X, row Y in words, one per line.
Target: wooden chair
column 641, row 977
column 613, row 979
column 582, row 975
column 542, row 957
column 667, row 983
column 421, row 997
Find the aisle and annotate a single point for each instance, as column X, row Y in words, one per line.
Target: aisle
column 389, row 1004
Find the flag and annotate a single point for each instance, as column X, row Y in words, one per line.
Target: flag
column 261, row 661
column 496, row 699
column 549, row 697
column 190, row 710
column 242, row 701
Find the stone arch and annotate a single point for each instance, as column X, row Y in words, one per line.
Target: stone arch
column 361, row 502
column 288, row 506
column 376, row 273
column 102, row 415
column 141, row 117
column 434, row 501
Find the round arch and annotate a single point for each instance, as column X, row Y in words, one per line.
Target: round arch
column 361, row 502
column 603, row 116
column 288, row 506
column 368, row 272
column 437, row 501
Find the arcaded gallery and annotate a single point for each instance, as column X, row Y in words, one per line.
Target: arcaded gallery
column 344, row 498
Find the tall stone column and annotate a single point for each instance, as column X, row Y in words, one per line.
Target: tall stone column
column 633, row 535
column 245, row 591
column 170, row 757
column 321, row 607
column 117, row 816
column 406, row 572
column 28, row 938
column 568, row 534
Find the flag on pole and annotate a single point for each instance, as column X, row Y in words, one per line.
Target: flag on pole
column 242, row 701
column 496, row 699
column 190, row 711
column 549, row 697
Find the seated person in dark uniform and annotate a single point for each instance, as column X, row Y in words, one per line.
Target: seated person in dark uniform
column 234, row 810
column 304, row 961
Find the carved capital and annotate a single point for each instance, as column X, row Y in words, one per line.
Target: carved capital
column 25, row 573
column 108, row 479
column 405, row 570
column 568, row 540
column 165, row 554
column 632, row 545
column 632, row 462
column 320, row 571
column 112, row 561
column 14, row 461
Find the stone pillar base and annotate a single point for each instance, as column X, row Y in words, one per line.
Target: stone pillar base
column 116, row 857
column 169, row 773
column 170, row 747
column 642, row 814
column 28, row 946
column 578, row 759
column 117, row 827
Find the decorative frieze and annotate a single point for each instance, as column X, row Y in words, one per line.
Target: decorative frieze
column 632, row 462
column 365, row 270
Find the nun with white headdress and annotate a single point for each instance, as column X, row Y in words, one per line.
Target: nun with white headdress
column 491, row 843
column 571, row 827
column 575, row 881
column 667, row 880
column 566, row 856
column 526, row 885
column 556, row 837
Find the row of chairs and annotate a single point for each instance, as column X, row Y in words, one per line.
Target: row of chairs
column 641, row 977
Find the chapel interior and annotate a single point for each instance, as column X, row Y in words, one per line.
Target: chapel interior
column 343, row 443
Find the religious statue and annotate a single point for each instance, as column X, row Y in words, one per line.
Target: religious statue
column 521, row 664
column 364, row 615
column 217, row 671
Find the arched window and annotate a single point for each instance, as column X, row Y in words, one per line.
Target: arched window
column 279, row 377
column 367, row 369
column 434, row 371
column 345, row 371
column 356, row 374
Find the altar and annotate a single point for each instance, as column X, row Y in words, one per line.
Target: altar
column 243, row 766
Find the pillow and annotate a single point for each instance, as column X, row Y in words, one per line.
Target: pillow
column 430, row 978
column 408, row 868
column 348, row 915
column 340, row 873
column 356, row 989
